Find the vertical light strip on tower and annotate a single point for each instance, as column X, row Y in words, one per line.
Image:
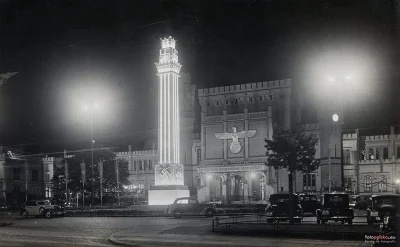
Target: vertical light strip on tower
column 178, row 118
column 160, row 118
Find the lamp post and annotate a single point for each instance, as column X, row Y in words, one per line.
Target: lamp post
column 335, row 118
column 341, row 81
column 90, row 109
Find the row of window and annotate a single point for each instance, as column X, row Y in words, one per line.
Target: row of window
column 142, row 165
column 370, row 154
column 17, row 174
column 251, row 99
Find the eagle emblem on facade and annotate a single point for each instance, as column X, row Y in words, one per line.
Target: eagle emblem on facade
column 235, row 146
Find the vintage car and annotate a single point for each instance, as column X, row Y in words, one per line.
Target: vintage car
column 278, row 210
column 389, row 224
column 381, row 206
column 189, row 206
column 359, row 201
column 309, row 203
column 41, row 208
column 335, row 206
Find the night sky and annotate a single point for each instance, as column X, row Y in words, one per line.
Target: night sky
column 69, row 52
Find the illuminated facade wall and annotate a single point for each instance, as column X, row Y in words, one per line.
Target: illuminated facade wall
column 168, row 69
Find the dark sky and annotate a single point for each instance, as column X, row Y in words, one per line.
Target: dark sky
column 69, row 52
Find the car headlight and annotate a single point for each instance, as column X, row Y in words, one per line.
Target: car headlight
column 269, row 213
column 374, row 213
column 325, row 212
column 386, row 220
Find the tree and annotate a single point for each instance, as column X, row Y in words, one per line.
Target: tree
column 75, row 178
column 292, row 149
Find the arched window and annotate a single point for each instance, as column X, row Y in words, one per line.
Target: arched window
column 347, row 156
column 145, row 165
column 377, row 154
column 385, row 153
column 134, row 165
column 261, row 98
column 251, row 99
column 150, row 165
column 368, row 184
column 198, row 156
column 140, row 165
column 398, row 152
column 348, row 183
column 382, row 185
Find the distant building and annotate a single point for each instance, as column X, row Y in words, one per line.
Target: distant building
column 20, row 177
column 372, row 163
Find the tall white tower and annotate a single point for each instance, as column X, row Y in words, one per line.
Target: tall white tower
column 168, row 69
column 169, row 183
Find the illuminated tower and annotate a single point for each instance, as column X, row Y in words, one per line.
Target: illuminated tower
column 168, row 172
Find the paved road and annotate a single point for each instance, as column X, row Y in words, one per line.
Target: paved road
column 95, row 231
column 85, row 231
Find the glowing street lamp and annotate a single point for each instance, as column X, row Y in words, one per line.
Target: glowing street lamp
column 335, row 117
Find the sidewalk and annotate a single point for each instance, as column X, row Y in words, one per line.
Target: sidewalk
column 132, row 238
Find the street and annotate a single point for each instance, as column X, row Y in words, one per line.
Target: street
column 85, row 231
column 96, row 231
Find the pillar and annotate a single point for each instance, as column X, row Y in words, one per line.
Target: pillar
column 246, row 127
column 228, row 187
column 225, row 126
column 203, row 138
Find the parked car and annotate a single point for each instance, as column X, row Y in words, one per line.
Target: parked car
column 189, row 206
column 353, row 199
column 309, row 203
column 389, row 224
column 278, row 209
column 41, row 208
column 381, row 206
column 335, row 206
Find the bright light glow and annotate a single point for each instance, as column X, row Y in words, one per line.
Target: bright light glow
column 335, row 117
column 125, row 187
column 253, row 174
column 96, row 106
column 209, row 176
column 348, row 77
column 398, row 181
column 331, row 79
column 85, row 107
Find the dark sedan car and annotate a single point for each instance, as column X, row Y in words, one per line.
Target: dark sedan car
column 381, row 206
column 279, row 208
column 335, row 207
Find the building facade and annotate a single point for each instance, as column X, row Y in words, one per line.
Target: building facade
column 22, row 178
column 372, row 163
column 231, row 157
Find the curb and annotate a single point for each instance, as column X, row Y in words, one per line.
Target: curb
column 135, row 242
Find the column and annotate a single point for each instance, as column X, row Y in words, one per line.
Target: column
column 246, row 127
column 228, row 187
column 271, row 170
column 224, row 191
column 203, row 138
column 130, row 160
column 225, row 126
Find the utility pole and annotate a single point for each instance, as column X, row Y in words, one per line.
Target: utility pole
column 66, row 176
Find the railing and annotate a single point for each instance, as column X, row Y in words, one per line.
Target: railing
column 259, row 222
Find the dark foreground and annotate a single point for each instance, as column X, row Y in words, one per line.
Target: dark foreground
column 147, row 231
